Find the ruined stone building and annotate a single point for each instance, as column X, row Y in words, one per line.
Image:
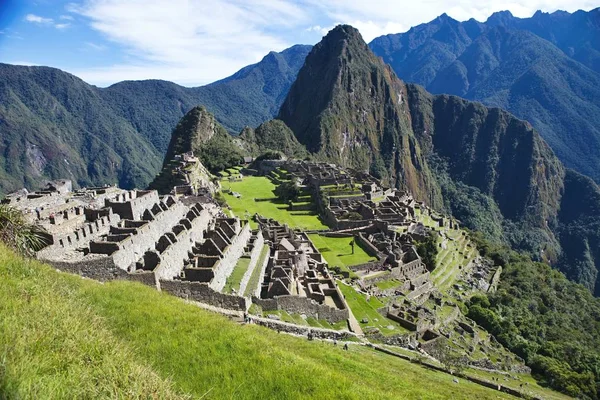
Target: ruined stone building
column 297, row 279
column 186, row 248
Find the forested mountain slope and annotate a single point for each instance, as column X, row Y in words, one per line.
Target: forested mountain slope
column 54, row 125
column 544, row 69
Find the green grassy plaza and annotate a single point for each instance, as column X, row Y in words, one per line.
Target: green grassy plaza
column 338, row 251
column 252, row 188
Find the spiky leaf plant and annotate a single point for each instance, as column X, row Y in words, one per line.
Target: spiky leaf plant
column 19, row 234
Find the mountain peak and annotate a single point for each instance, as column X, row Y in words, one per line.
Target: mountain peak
column 445, row 18
column 500, row 18
column 340, row 37
column 344, row 31
column 196, row 127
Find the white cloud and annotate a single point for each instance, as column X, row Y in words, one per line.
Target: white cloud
column 320, row 29
column 25, row 63
column 372, row 29
column 38, row 20
column 197, row 41
column 94, row 46
column 190, row 38
column 66, row 17
column 183, row 75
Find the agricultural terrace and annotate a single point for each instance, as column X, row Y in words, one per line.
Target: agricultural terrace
column 256, row 197
column 455, row 250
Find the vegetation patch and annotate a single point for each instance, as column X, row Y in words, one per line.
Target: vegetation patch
column 233, row 281
column 256, row 274
column 533, row 313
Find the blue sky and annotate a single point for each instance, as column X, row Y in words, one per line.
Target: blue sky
column 194, row 42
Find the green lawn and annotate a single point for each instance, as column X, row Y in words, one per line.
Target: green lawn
column 256, row 274
column 361, row 308
column 65, row 337
column 388, row 284
column 234, row 280
column 260, row 187
column 337, row 251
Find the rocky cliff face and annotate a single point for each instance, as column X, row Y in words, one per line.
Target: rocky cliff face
column 490, row 149
column 346, row 106
column 545, row 209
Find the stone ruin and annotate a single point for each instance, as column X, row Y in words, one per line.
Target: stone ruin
column 183, row 247
column 297, row 278
column 185, row 175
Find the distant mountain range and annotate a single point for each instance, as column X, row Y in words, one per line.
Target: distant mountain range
column 52, row 124
column 545, row 69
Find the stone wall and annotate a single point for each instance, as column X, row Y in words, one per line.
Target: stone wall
column 420, row 291
column 172, row 258
column 411, row 326
column 98, row 267
column 133, row 248
column 254, row 258
column 81, row 237
column 303, row 305
column 203, row 293
column 263, row 269
column 318, row 333
column 373, row 265
column 368, row 247
column 495, row 280
column 230, row 258
column 132, row 204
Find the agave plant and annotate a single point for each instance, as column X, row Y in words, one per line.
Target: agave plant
column 19, row 234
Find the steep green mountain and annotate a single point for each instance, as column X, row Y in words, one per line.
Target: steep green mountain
column 272, row 135
column 200, row 133
column 485, row 166
column 579, row 229
column 543, row 69
column 500, row 177
column 197, row 132
column 348, row 107
column 54, row 125
column 576, row 34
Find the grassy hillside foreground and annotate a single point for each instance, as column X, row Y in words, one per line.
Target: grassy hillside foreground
column 66, row 337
